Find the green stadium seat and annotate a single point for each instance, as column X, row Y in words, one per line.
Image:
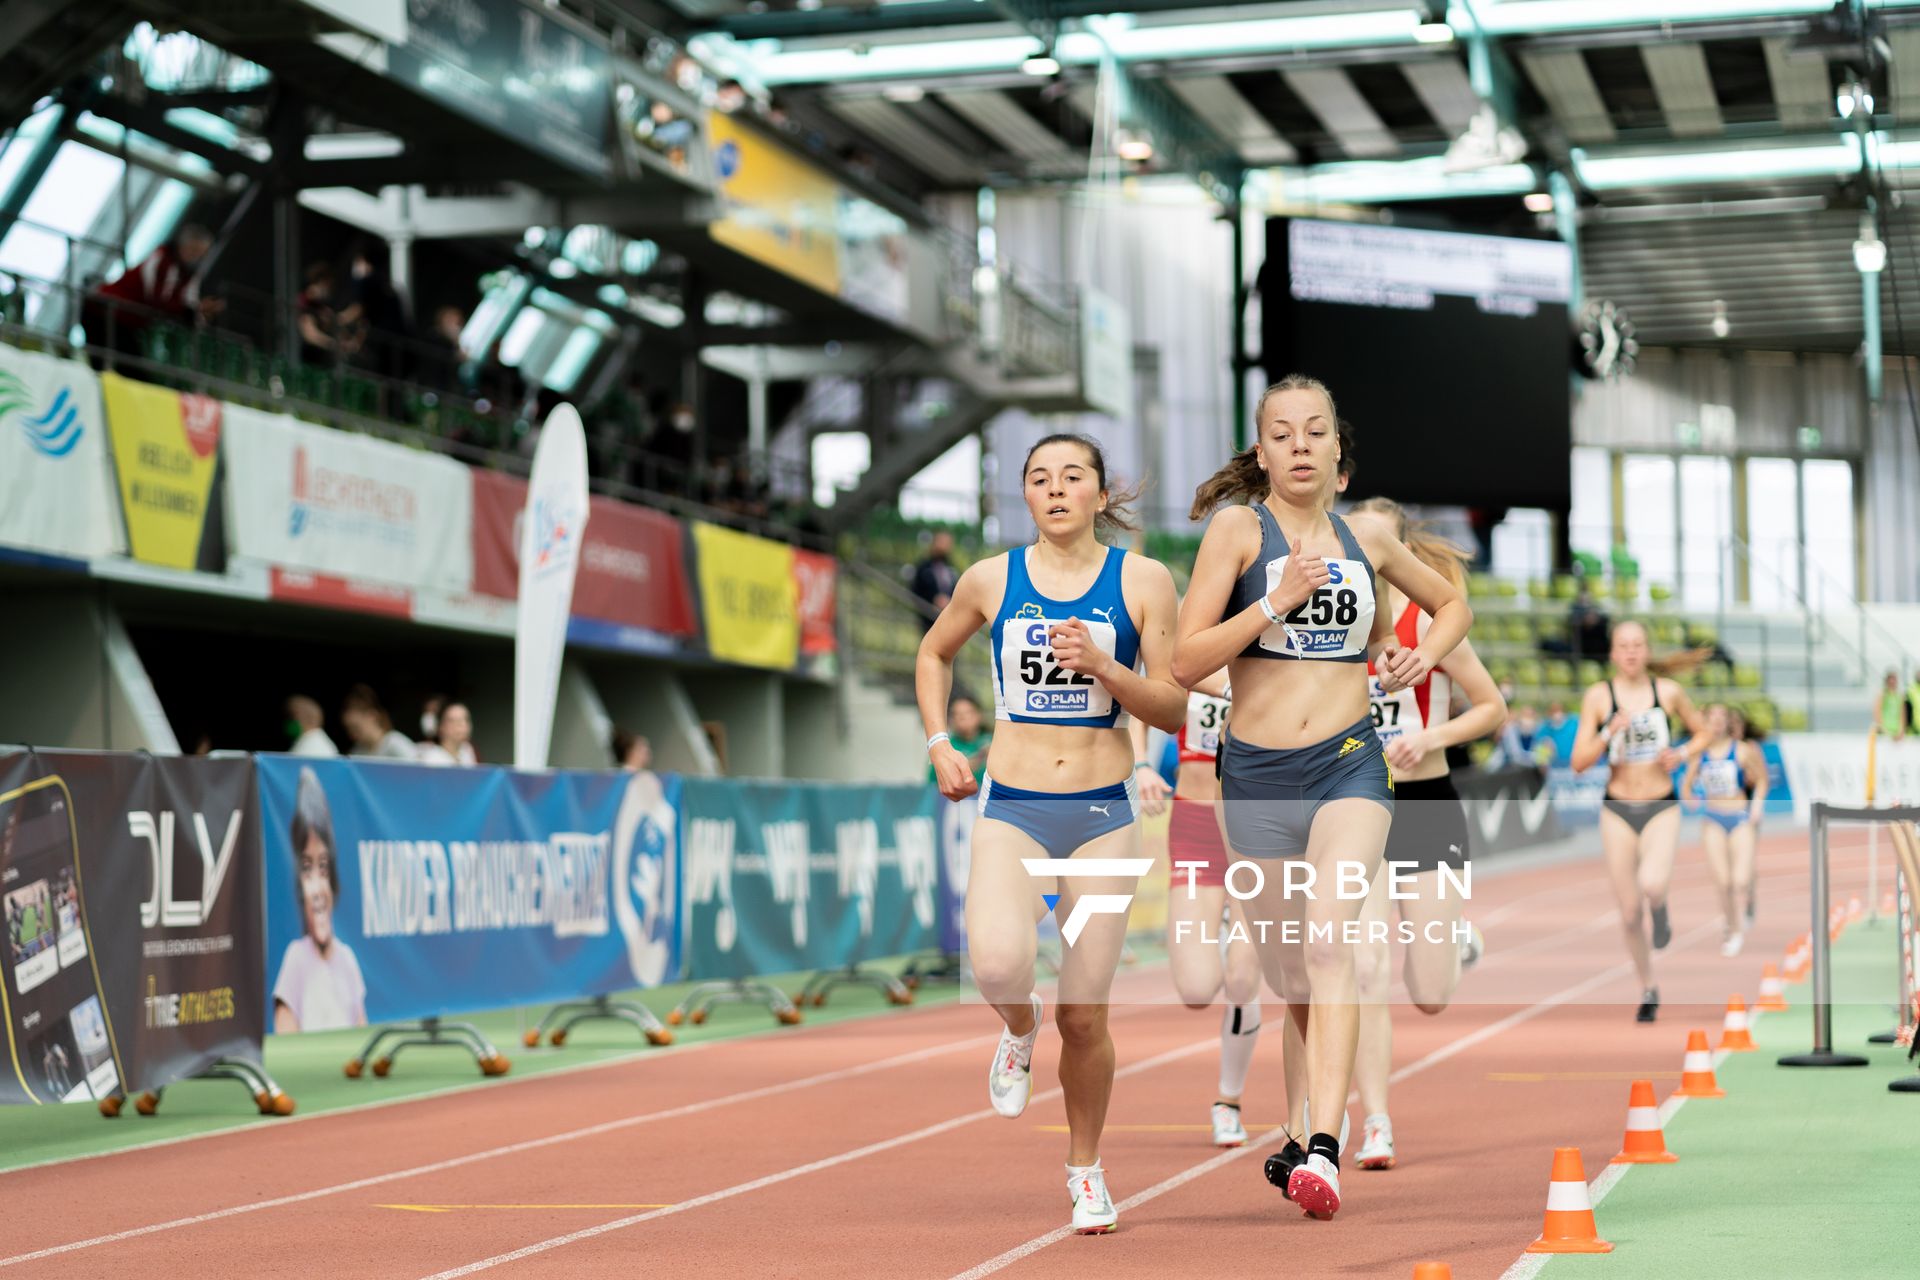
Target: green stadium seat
column 1626, row 590
column 1559, row 672
column 1591, row 672
column 1528, row 674
column 1660, row 593
column 1538, row 590
column 1793, row 720
column 1745, row 677
column 1565, row 586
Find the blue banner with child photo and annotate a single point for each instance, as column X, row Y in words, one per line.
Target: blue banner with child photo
column 399, row 891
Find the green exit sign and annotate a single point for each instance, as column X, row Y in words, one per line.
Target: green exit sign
column 1809, row 439
column 1687, row 434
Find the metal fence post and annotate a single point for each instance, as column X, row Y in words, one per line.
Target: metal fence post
column 1822, row 1054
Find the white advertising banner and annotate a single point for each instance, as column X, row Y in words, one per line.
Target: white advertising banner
column 56, row 485
column 309, row 497
column 551, row 536
column 1832, row 767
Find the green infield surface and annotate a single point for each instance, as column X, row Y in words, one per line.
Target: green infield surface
column 1798, row 1171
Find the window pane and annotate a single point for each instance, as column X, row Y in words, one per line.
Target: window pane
column 1830, row 530
column 1706, row 522
column 840, row 458
column 1523, row 545
column 1648, row 481
column 1590, row 525
column 1773, row 532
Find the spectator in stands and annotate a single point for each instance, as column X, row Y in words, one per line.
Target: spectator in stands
column 313, row 315
column 632, row 752
column 320, row 986
column 306, row 725
column 443, row 360
column 1913, row 703
column 970, row 735
column 1890, row 717
column 1514, row 747
column 374, row 320
column 371, row 728
column 1588, row 628
column 165, row 288
column 933, row 577
column 452, row 737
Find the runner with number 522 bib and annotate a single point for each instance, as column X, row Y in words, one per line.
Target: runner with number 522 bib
column 1429, row 827
column 1071, row 622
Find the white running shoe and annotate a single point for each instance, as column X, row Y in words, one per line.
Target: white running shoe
column 1010, row 1078
column 1227, row 1129
column 1093, row 1211
column 1376, row 1143
column 1472, row 947
column 1315, row 1187
column 1733, row 945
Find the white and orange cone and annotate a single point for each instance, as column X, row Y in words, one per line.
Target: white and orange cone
column 1644, row 1143
column 1773, row 992
column 1696, row 1074
column 1856, row 910
column 1836, row 923
column 1799, row 957
column 1734, row 1034
column 1569, row 1226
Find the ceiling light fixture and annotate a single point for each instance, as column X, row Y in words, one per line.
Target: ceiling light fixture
column 1720, row 326
column 1042, row 64
column 1136, row 147
column 1869, row 251
column 1539, row 202
column 1433, row 33
column 903, row 93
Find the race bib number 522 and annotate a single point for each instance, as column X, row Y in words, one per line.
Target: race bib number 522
column 1036, row 684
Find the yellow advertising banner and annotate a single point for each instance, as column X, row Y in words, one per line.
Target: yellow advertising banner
column 166, row 450
column 748, row 597
column 779, row 209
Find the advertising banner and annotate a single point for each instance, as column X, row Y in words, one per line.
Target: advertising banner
column 956, row 861
column 1507, row 809
column 795, row 876
column 399, row 891
column 56, row 494
column 779, row 209
column 749, row 598
column 633, row 569
column 131, row 893
column 816, row 580
column 517, row 68
column 1832, row 767
column 550, row 538
column 330, row 502
column 166, row 455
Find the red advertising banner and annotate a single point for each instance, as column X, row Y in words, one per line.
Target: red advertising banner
column 816, row 575
column 633, row 568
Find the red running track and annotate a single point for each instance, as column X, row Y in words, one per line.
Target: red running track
column 866, row 1149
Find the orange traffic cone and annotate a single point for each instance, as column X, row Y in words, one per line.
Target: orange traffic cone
column 1773, row 992
column 1856, row 910
column 1799, row 956
column 1734, row 1036
column 1696, row 1075
column 1569, row 1227
column 1836, row 923
column 1644, row 1144
column 1432, row 1271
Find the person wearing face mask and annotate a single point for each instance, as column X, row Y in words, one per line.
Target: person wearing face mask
column 320, row 986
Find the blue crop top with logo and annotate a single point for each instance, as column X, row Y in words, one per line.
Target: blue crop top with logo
column 1029, row 687
column 1332, row 624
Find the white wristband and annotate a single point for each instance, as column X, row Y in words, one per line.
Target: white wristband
column 1266, row 607
column 937, row 739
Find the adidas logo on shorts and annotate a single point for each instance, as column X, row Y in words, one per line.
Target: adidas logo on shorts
column 1348, row 747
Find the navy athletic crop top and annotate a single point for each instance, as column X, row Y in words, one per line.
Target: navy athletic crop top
column 1333, row 624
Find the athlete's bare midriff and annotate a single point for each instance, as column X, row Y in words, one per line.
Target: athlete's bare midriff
column 1196, row 782
column 1282, row 703
column 1058, row 758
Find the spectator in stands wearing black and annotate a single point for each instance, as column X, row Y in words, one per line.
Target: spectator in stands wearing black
column 314, row 316
column 632, row 752
column 374, row 319
column 933, row 577
column 306, row 725
column 442, row 362
column 371, row 728
column 452, row 741
column 164, row 288
column 1588, row 628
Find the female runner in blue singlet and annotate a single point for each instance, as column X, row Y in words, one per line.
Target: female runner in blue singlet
column 1732, row 776
column 1283, row 595
column 1071, row 622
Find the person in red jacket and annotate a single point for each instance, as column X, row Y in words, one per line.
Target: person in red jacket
column 164, row 287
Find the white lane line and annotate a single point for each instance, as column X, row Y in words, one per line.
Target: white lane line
column 1444, row 1052
column 773, row 1179
column 515, row 1148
